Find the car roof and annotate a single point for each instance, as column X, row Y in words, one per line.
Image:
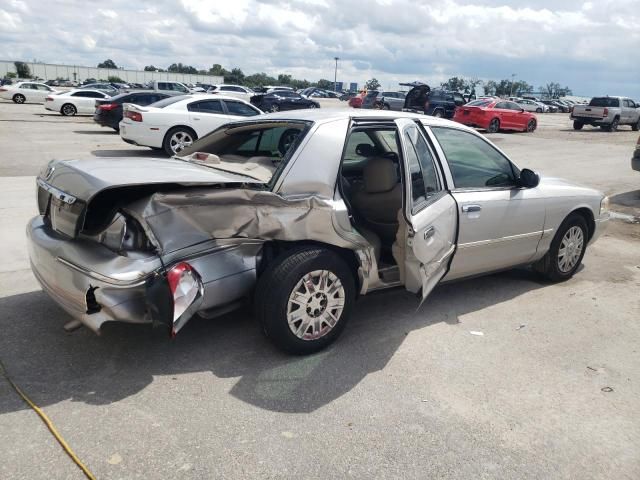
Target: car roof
column 207, row 96
column 85, row 90
column 332, row 114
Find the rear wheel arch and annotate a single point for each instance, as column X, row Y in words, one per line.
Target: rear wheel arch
column 275, row 249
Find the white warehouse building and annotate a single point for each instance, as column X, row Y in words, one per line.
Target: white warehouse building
column 50, row 71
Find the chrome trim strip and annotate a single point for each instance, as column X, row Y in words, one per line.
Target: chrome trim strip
column 59, row 194
column 103, row 278
column 481, row 243
column 447, row 254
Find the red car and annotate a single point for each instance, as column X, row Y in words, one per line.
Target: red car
column 494, row 114
column 356, row 102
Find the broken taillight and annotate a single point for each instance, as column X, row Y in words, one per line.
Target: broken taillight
column 135, row 116
column 187, row 289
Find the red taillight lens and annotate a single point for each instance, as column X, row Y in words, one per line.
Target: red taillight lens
column 49, row 99
column 3, row 90
column 186, row 288
column 110, row 106
column 135, row 116
column 605, row 112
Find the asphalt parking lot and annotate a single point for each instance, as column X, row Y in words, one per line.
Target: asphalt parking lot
column 549, row 390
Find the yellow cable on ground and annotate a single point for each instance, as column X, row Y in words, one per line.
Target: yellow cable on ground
column 49, row 424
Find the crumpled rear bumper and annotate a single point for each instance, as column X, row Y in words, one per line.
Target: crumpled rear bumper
column 91, row 297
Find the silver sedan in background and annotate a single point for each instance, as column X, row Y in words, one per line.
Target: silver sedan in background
column 300, row 213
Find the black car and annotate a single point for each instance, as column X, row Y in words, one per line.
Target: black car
column 558, row 106
column 370, row 99
column 282, row 100
column 438, row 103
column 109, row 111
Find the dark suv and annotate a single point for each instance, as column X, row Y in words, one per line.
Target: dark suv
column 109, row 112
column 438, row 103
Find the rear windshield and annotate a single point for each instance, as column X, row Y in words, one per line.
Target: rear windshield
column 372, row 93
column 256, row 150
column 168, row 101
column 479, row 103
column 604, row 102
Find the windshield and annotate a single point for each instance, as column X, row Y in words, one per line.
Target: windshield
column 256, row 150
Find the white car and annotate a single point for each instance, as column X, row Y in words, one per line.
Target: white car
column 237, row 91
column 532, row 106
column 175, row 123
column 82, row 101
column 31, row 92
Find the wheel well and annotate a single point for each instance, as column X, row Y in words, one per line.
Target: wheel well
column 587, row 214
column 271, row 250
column 179, row 126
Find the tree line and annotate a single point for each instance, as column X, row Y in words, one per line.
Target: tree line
column 502, row 88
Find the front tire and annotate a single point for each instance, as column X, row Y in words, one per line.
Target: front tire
column 19, row 98
column 531, row 126
column 177, row 139
column 438, row 114
column 304, row 298
column 567, row 250
column 274, row 108
column 68, row 110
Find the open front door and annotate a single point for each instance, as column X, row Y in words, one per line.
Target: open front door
column 430, row 211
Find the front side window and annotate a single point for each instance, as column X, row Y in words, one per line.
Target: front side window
column 422, row 169
column 473, row 162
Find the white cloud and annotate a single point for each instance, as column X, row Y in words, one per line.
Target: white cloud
column 586, row 45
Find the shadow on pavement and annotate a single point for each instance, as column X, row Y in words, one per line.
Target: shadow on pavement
column 53, row 366
column 102, row 131
column 626, row 199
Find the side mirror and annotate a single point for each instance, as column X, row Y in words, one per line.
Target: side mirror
column 528, row 178
column 522, row 110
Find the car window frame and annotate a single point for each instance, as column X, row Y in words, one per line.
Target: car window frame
column 453, row 188
column 251, row 107
column 192, row 106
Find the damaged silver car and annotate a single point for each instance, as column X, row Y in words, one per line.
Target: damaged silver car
column 298, row 213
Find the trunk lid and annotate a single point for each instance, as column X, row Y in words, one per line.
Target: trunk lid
column 65, row 188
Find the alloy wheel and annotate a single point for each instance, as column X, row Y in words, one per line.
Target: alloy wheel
column 68, row 109
column 315, row 305
column 570, row 249
column 179, row 141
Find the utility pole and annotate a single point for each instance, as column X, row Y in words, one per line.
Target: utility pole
column 335, row 75
column 513, row 75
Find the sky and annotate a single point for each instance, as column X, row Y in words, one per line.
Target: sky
column 593, row 47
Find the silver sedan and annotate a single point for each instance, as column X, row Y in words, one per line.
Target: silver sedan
column 299, row 213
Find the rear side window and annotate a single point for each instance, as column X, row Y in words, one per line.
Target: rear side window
column 424, row 179
column 604, row 102
column 168, row 101
column 206, row 106
column 473, row 162
column 480, row 103
column 238, row 108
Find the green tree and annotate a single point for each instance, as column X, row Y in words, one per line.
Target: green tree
column 372, row 84
column 455, row 84
column 284, row 79
column 108, row 63
column 259, row 80
column 22, row 69
column 554, row 90
column 218, row 70
column 11, row 75
column 150, row 68
column 114, row 79
column 180, row 68
column 235, row 76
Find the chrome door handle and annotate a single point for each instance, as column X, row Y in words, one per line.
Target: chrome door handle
column 428, row 233
column 471, row 208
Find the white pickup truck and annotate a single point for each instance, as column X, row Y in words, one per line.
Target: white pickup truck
column 607, row 113
column 167, row 86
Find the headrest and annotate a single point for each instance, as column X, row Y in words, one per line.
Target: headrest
column 380, row 175
column 365, row 150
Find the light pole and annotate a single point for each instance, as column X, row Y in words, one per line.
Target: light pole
column 513, row 75
column 335, row 75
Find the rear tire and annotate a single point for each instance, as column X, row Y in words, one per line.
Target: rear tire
column 577, row 125
column 494, row 126
column 636, row 126
column 177, row 139
column 567, row 250
column 438, row 114
column 68, row 110
column 614, row 125
column 19, row 98
column 538, row 110
column 304, row 298
column 274, row 108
